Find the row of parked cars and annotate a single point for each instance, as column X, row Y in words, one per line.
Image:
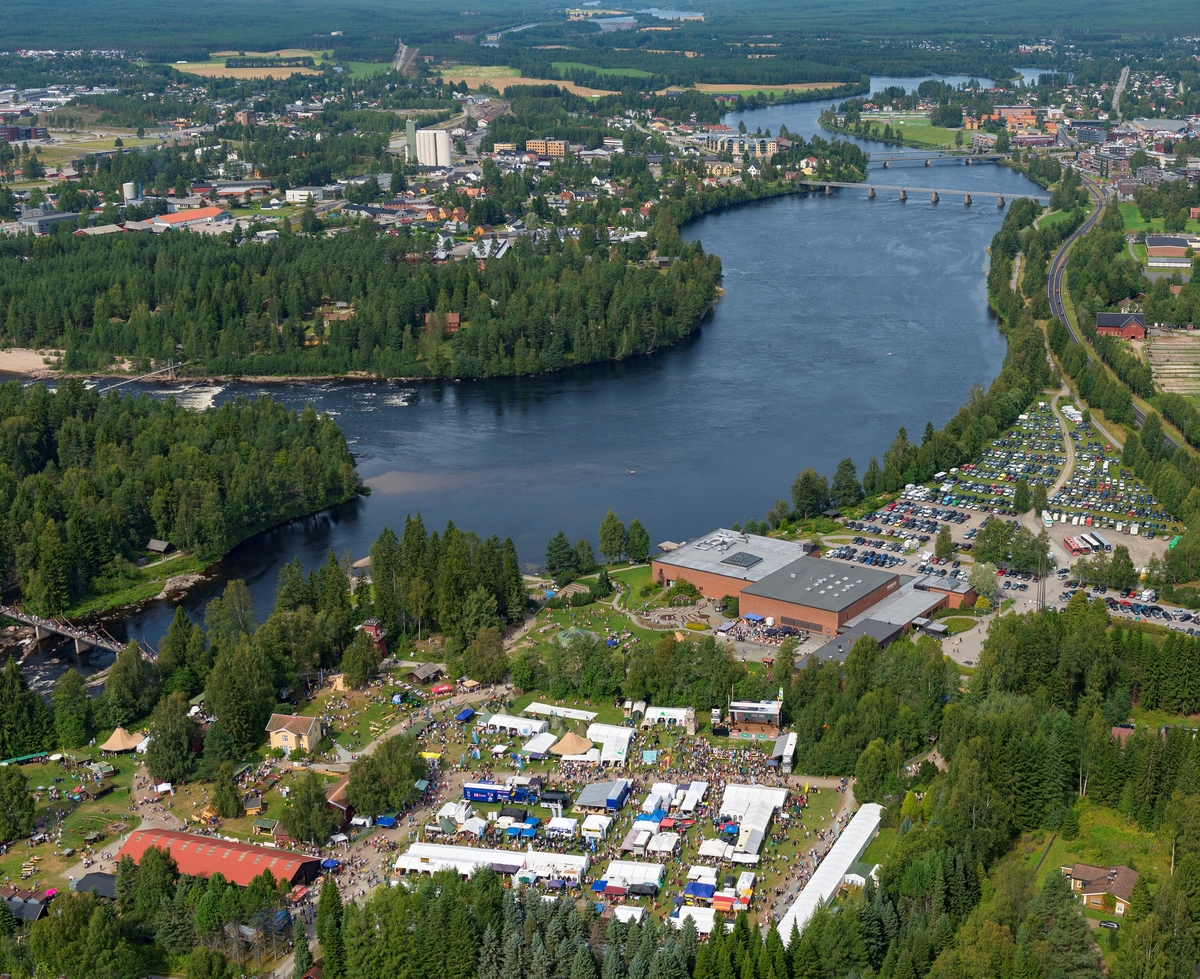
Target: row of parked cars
column 871, row 557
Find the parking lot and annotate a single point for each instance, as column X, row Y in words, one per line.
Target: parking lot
column 1032, row 450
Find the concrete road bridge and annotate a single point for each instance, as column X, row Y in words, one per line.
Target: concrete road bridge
column 934, row 193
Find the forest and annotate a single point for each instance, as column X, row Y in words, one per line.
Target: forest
column 235, row 310
column 86, row 481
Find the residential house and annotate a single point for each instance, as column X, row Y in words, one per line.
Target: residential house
column 452, row 325
column 1103, row 888
column 295, row 733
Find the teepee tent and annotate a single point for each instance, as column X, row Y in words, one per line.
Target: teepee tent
column 121, row 740
column 571, row 744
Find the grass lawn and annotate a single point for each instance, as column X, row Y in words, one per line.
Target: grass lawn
column 957, row 624
column 80, row 818
column 628, row 72
column 880, row 847
column 1135, row 222
column 1155, row 719
column 140, row 585
column 1054, row 218
column 927, row 134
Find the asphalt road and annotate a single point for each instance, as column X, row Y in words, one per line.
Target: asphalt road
column 1058, row 268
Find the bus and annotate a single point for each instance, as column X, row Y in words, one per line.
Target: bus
column 1090, row 541
column 1073, row 547
column 1103, row 541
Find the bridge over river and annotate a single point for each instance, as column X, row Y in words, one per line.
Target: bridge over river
column 84, row 639
column 935, row 193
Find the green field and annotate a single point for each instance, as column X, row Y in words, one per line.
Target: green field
column 579, row 66
column 363, row 69
column 1135, row 222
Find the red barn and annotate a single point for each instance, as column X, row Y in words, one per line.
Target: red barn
column 1127, row 326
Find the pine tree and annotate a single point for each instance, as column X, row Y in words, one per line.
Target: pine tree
column 583, row 966
column 303, row 960
column 329, row 928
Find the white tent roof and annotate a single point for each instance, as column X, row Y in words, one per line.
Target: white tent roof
column 705, row 919
column 526, row 727
column 613, row 741
column 540, row 744
column 693, row 796
column 591, row 758
column 629, row 912
column 855, row 838
column 663, row 843
column 595, row 823
column 633, row 872
column 563, row 824
column 715, row 849
column 432, row 857
column 706, row 875
column 738, row 799
column 474, row 825
column 537, row 707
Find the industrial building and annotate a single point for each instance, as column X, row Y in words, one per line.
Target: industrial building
column 239, row 863
column 40, row 223
column 725, row 561
column 816, row 594
column 433, row 147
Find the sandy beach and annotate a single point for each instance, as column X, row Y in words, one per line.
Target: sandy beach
column 32, row 363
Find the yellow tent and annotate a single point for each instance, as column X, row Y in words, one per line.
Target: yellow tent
column 121, row 740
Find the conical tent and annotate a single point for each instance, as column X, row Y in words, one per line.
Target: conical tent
column 571, row 744
column 121, row 740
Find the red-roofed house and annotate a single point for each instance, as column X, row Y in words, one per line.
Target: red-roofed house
column 202, row 856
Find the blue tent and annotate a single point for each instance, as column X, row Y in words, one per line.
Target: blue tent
column 529, row 832
column 464, row 715
column 752, row 617
column 612, row 642
column 598, row 886
column 700, row 890
column 513, row 831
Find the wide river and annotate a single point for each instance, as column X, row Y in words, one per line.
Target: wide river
column 843, row 319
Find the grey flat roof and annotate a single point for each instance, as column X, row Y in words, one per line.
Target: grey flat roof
column 902, row 606
column 838, row 648
column 733, row 554
column 819, row 583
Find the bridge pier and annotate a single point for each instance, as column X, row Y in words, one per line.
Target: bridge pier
column 999, row 201
column 828, row 190
column 886, row 165
column 41, row 632
column 928, row 163
column 966, row 198
column 903, row 195
column 968, row 161
column 871, row 193
column 82, row 646
column 933, row 198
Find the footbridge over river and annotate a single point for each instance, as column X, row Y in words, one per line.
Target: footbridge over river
column 934, row 194
column 84, row 639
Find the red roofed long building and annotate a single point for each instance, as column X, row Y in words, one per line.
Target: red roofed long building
column 202, row 856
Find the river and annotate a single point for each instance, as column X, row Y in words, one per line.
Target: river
column 843, row 319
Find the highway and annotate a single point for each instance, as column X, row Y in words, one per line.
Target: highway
column 1058, row 268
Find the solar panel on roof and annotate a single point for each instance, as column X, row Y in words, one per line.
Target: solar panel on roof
column 742, row 559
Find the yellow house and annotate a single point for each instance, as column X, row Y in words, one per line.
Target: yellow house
column 294, row 733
